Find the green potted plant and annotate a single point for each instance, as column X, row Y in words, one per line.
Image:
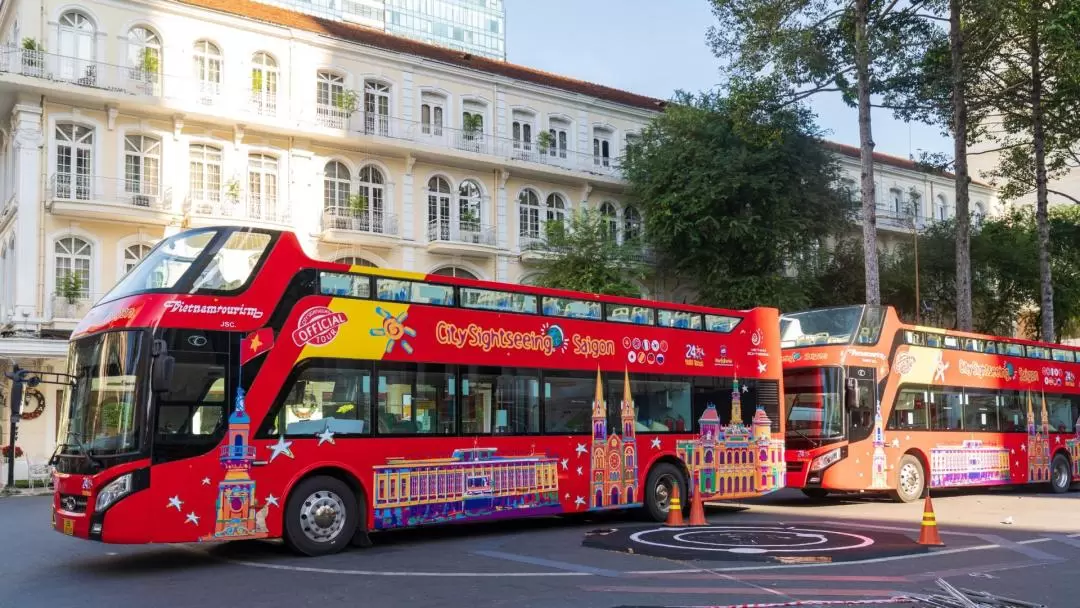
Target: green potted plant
column 358, row 206
column 149, row 63
column 256, row 82
column 347, row 101
column 232, row 190
column 472, row 124
column 71, row 290
column 546, row 141
column 33, row 59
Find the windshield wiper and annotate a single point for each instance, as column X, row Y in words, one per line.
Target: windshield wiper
column 804, row 436
column 94, row 463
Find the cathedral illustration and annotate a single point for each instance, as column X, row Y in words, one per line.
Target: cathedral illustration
column 236, row 502
column 614, row 457
column 734, row 460
column 1073, row 446
column 1038, row 444
column 878, row 475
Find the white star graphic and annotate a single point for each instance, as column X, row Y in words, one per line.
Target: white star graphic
column 655, row 443
column 205, row 481
column 1023, row 447
column 579, row 472
column 1059, row 440
column 281, row 447
column 745, row 389
column 192, row 519
column 565, row 462
column 581, row 449
column 568, row 496
column 1012, row 451
column 174, row 503
column 272, row 500
column 761, row 367
column 326, row 436
column 579, row 501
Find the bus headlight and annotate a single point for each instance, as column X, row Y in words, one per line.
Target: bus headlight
column 112, row 492
column 826, row 460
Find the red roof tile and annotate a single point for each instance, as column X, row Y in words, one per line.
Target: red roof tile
column 378, row 39
column 893, row 161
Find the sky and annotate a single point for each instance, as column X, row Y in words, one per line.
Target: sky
column 655, row 47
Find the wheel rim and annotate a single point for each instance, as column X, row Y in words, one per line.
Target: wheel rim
column 322, row 516
column 662, row 492
column 910, row 479
column 1061, row 475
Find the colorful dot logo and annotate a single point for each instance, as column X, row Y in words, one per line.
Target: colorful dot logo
column 395, row 330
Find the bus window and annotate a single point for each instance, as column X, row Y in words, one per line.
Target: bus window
column 568, row 398
column 487, row 299
column 1062, row 355
column 990, row 347
column 234, row 262
column 947, row 411
column 682, row 320
column 1012, row 411
column 909, row 411
column 862, row 404
column 870, row 326
column 813, row 404
column 415, row 399
column 952, row 342
column 1015, row 350
column 1038, row 352
column 499, row 401
column 334, row 395
column 662, row 406
column 341, row 284
column 1059, row 408
column 574, row 309
column 980, row 410
column 720, row 324
column 638, row 315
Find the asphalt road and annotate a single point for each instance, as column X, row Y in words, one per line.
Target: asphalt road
column 543, row 563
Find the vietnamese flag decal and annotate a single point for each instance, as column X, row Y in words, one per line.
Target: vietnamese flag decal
column 256, row 343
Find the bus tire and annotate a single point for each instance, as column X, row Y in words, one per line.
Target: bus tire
column 910, row 479
column 816, row 493
column 321, row 516
column 658, row 485
column 1060, row 474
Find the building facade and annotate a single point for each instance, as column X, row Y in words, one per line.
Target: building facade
column 129, row 120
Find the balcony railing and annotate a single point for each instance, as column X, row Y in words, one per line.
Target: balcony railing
column 263, row 103
column 244, row 207
column 77, row 187
column 467, row 232
column 370, row 221
column 71, row 305
column 80, row 71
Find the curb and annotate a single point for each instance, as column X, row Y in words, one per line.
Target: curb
column 5, row 493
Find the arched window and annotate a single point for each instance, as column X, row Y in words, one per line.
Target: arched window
column 74, row 161
column 556, row 208
column 438, row 208
column 144, row 57
column 897, row 199
column 133, row 254
column 454, row 271
column 76, row 48
column 529, row 214
column 142, row 168
column 978, row 214
column 470, row 198
column 73, row 257
column 376, row 107
column 353, row 260
column 373, row 188
column 264, row 83
column 336, row 183
column 204, row 166
column 207, row 67
column 611, row 220
column 332, row 105
column 262, row 186
column 941, row 208
column 631, row 223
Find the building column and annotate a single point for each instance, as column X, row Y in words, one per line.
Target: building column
column 502, row 223
column 28, row 140
column 305, row 208
column 408, row 221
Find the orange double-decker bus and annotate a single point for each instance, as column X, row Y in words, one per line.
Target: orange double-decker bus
column 873, row 404
column 230, row 387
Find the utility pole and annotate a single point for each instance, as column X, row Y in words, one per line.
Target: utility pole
column 18, row 378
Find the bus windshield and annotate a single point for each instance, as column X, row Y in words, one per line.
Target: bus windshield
column 819, row 327
column 102, row 406
column 813, row 404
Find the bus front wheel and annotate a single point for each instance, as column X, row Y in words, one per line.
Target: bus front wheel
column 658, row 490
column 910, row 479
column 1060, row 474
column 320, row 516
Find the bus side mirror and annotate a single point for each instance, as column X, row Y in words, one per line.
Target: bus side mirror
column 161, row 367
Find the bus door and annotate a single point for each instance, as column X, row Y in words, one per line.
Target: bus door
column 861, row 401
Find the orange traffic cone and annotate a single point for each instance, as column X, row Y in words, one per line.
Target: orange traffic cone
column 928, row 533
column 697, row 509
column 674, row 514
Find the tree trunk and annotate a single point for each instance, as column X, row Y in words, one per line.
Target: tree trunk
column 1042, row 219
column 866, row 153
column 963, row 219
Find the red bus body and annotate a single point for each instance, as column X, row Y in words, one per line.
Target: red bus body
column 872, row 404
column 447, row 413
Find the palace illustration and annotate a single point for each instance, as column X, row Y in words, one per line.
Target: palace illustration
column 1038, row 444
column 236, row 503
column 472, row 483
column 969, row 464
column 734, row 460
column 614, row 458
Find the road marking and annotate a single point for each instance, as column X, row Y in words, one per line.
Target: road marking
column 975, row 570
column 998, row 541
column 557, row 565
column 1023, row 549
column 835, row 578
column 815, row 591
column 1061, row 538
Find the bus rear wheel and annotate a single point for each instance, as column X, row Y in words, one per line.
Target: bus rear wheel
column 658, row 490
column 1060, row 474
column 910, row 480
column 321, row 516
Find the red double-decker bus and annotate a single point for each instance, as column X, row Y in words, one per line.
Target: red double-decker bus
column 873, row 404
column 229, row 387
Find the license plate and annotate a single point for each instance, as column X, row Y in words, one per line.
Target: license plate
column 69, row 527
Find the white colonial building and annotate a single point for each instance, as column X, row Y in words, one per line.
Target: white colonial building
column 129, row 120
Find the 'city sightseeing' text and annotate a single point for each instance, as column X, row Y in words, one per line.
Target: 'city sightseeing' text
column 488, row 339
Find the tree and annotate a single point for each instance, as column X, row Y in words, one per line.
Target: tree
column 586, row 256
column 735, row 199
column 803, row 48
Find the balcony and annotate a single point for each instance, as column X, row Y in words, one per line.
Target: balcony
column 109, row 199
column 461, row 238
column 263, row 103
column 351, row 226
column 87, row 73
column 70, row 307
column 534, row 249
column 208, row 207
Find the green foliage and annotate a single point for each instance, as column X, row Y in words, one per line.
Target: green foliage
column 734, row 197
column 347, row 101
column 71, row 287
column 148, row 61
column 584, row 257
column 31, row 44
